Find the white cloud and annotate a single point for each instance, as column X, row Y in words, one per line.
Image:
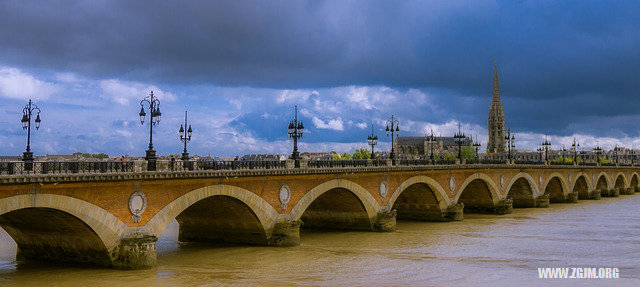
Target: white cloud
column 296, row 96
column 335, row 124
column 121, row 92
column 362, row 125
column 16, row 84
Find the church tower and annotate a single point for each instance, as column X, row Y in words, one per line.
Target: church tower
column 496, row 142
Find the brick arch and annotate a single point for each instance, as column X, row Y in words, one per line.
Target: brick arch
column 634, row 176
column 264, row 212
column 563, row 182
column 625, row 182
column 555, row 198
column 521, row 199
column 443, row 200
column 368, row 202
column 92, row 233
column 586, row 178
column 493, row 189
column 606, row 178
column 532, row 183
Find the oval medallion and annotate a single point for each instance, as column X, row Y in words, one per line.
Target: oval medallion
column 137, row 205
column 284, row 195
column 502, row 181
column 383, row 190
column 452, row 184
column 540, row 179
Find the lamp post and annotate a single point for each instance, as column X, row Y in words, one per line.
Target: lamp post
column 615, row 154
column 432, row 141
column 540, row 150
column 477, row 145
column 510, row 141
column 393, row 127
column 27, row 114
column 564, row 150
column 185, row 137
column 546, row 144
column 575, row 145
column 154, row 118
column 372, row 139
column 295, row 131
column 598, row 151
column 459, row 138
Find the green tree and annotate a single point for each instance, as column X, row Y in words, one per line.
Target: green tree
column 468, row 153
column 361, row 153
column 345, row 156
column 336, row 156
column 603, row 160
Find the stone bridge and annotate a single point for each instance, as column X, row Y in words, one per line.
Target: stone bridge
column 114, row 219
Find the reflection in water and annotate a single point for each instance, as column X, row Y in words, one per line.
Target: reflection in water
column 481, row 250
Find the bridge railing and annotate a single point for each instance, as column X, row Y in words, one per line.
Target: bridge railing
column 230, row 165
column 65, row 167
column 529, row 162
column 337, row 163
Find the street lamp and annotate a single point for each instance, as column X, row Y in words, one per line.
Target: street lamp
column 373, row 140
column 598, row 151
column 564, row 150
column 393, row 122
column 510, row 141
column 477, row 145
column 295, row 132
column 459, row 138
column 432, row 141
column 546, row 144
column 27, row 114
column 154, row 119
column 615, row 154
column 185, row 137
column 540, row 150
column 575, row 145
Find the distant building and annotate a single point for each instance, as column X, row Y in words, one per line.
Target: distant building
column 258, row 157
column 420, row 146
column 317, row 155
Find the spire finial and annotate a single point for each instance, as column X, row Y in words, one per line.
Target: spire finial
column 496, row 87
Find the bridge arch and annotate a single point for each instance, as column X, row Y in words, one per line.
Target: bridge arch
column 219, row 213
column 603, row 182
column 336, row 204
column 419, row 197
column 523, row 190
column 61, row 228
column 634, row 180
column 556, row 187
column 582, row 185
column 621, row 181
column 478, row 193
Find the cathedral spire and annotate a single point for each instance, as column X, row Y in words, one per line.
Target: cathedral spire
column 496, row 88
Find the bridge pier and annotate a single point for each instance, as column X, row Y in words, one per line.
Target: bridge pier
column 637, row 188
column 285, row 234
column 594, row 194
column 542, row 201
column 135, row 251
column 504, row 206
column 627, row 191
column 385, row 221
column 572, row 197
column 454, row 212
column 610, row 192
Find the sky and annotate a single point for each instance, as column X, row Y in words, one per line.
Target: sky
column 567, row 69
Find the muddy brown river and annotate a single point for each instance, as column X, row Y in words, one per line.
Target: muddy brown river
column 482, row 250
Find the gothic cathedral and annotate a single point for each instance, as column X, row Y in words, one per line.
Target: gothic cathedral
column 496, row 118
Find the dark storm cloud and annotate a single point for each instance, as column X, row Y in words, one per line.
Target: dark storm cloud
column 561, row 62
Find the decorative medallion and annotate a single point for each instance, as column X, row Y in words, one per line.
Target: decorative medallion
column 284, row 195
column 570, row 178
column 593, row 177
column 452, row 184
column 502, row 181
column 383, row 190
column 137, row 204
column 540, row 179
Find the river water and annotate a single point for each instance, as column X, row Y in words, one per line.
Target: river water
column 482, row 250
